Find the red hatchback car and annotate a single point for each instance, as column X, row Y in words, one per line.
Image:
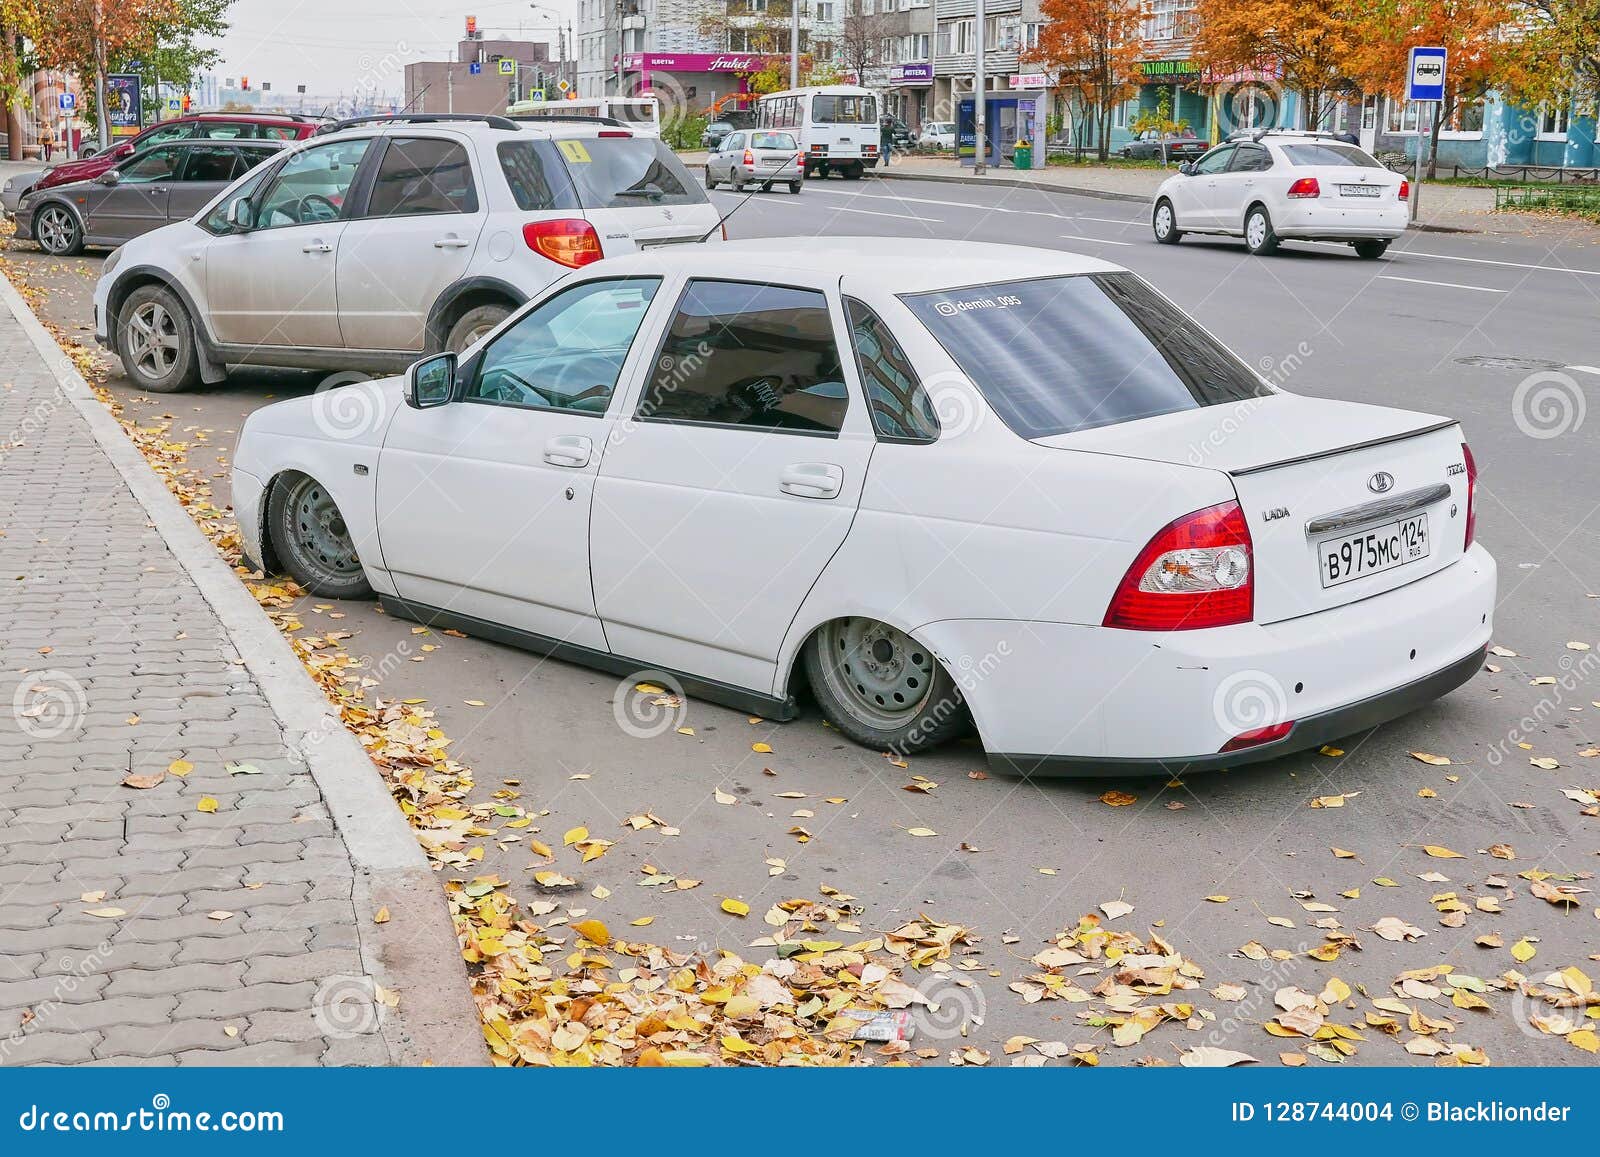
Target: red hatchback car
column 222, row 126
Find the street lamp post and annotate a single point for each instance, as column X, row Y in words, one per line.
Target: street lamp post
column 980, row 100
column 794, row 43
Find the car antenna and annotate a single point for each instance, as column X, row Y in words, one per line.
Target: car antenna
column 723, row 220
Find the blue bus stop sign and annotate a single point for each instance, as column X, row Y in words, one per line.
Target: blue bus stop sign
column 1425, row 74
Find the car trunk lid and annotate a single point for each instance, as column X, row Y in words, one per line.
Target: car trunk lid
column 1344, row 501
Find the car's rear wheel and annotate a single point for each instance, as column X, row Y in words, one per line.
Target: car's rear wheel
column 58, row 231
column 737, row 182
column 474, row 324
column 852, row 172
column 1259, row 237
column 156, row 340
column 1165, row 223
column 881, row 687
column 312, row 539
column 795, row 186
column 1371, row 250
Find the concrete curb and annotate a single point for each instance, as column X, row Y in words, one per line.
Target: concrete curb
column 416, row 953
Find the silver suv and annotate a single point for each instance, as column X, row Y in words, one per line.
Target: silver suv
column 383, row 239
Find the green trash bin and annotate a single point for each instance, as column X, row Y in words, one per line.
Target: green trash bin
column 1022, row 155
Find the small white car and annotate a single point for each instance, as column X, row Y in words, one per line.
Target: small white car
column 384, row 238
column 938, row 135
column 1010, row 488
column 1277, row 186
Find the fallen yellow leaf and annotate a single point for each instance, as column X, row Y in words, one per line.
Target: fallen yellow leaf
column 206, row 804
column 735, row 907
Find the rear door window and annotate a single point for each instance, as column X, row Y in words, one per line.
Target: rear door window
column 1060, row 354
column 596, row 173
column 422, row 175
column 1250, row 159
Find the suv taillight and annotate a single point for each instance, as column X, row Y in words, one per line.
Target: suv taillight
column 1305, row 187
column 569, row 241
column 1195, row 573
column 1472, row 494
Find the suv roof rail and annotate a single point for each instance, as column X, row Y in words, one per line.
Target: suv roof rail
column 1257, row 134
column 419, row 118
column 534, row 117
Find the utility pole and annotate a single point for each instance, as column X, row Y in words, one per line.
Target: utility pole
column 980, row 100
column 794, row 43
column 620, row 36
column 450, row 87
column 102, row 117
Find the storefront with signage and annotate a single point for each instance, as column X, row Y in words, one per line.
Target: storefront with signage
column 1210, row 106
column 689, row 80
column 907, row 93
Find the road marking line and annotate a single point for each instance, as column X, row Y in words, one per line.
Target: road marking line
column 1096, row 240
column 896, row 216
column 1507, row 264
column 1446, row 284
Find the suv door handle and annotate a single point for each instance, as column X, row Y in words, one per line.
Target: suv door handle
column 570, row 450
column 451, row 243
column 317, row 247
column 811, row 480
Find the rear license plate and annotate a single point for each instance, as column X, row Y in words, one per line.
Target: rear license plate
column 1361, row 190
column 1373, row 551
column 774, row 162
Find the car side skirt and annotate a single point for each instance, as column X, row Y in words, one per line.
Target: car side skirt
column 739, row 698
column 1314, row 731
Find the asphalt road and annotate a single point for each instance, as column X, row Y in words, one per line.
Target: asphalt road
column 1453, row 324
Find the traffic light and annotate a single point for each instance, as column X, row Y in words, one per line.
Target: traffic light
column 186, row 102
column 244, row 83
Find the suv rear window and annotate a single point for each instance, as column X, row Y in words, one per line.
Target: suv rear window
column 1322, row 153
column 1060, row 354
column 596, row 173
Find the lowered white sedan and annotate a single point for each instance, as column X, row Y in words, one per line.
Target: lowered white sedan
column 1011, row 489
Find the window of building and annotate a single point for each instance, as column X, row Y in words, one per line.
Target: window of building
column 1466, row 118
column 1552, row 122
column 741, row 354
column 1401, row 117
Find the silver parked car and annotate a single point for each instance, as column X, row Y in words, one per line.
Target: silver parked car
column 756, row 156
column 151, row 188
column 18, row 186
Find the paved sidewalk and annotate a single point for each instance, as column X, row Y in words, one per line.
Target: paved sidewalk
column 223, row 916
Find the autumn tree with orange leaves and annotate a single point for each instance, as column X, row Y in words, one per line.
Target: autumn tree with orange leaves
column 1093, row 47
column 1473, row 32
column 85, row 36
column 1311, row 44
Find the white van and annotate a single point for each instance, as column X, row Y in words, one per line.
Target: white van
column 836, row 125
column 642, row 114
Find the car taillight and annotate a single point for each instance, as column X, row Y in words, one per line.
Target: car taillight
column 1305, row 187
column 1271, row 733
column 1405, row 189
column 1195, row 573
column 749, row 157
column 1472, row 493
column 800, row 159
column 569, row 241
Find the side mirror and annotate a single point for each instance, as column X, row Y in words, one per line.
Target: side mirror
column 109, row 177
column 240, row 215
column 431, row 382
column 1187, row 168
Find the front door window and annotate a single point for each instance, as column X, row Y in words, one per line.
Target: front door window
column 311, row 186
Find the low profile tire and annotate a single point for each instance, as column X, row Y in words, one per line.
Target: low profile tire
column 1371, row 250
column 312, row 541
column 1259, row 237
column 473, row 324
column 1165, row 223
column 795, row 187
column 155, row 337
column 57, row 230
column 882, row 688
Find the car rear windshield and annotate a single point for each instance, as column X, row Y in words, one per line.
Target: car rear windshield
column 1322, row 153
column 1060, row 354
column 772, row 141
column 844, row 110
column 596, row 173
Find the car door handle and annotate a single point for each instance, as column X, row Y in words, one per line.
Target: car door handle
column 451, row 243
column 811, row 480
column 568, row 450
column 317, row 247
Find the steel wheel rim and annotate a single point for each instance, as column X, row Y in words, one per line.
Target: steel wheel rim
column 55, row 229
column 153, row 340
column 1256, row 230
column 882, row 675
column 320, row 530
column 1163, row 220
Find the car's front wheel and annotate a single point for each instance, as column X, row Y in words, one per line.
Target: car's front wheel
column 1371, row 250
column 57, row 230
column 1165, row 223
column 156, row 340
column 711, row 182
column 312, row 540
column 1259, row 236
column 881, row 687
column 474, row 324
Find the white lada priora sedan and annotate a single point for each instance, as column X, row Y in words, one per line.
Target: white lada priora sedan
column 1001, row 488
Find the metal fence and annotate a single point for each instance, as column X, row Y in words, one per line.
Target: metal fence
column 1579, row 199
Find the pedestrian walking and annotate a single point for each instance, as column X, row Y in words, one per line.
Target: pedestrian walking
column 886, row 138
column 47, row 141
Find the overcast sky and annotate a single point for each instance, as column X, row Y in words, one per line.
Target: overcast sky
column 331, row 45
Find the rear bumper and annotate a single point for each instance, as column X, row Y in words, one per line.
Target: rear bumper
column 1317, row 222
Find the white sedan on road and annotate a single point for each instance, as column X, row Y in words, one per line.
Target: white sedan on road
column 1010, row 489
column 1269, row 187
